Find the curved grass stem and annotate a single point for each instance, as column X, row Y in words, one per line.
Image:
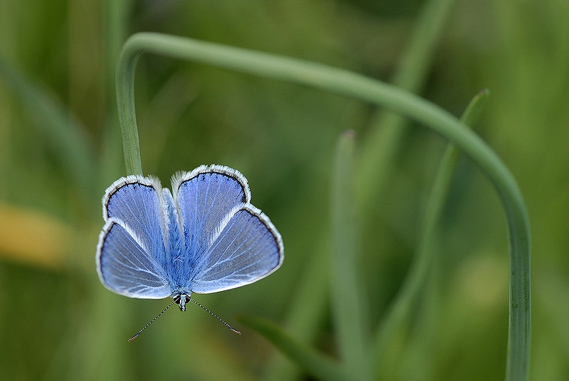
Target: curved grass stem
column 359, row 87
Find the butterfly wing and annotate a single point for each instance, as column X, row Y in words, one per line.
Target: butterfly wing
column 248, row 248
column 205, row 197
column 229, row 242
column 130, row 252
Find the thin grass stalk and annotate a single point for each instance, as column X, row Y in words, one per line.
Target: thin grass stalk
column 347, row 297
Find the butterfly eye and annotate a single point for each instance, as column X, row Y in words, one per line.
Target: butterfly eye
column 178, row 298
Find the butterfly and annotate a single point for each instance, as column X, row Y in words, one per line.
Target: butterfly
column 203, row 237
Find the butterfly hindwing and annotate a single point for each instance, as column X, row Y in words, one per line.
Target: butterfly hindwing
column 247, row 249
column 125, row 267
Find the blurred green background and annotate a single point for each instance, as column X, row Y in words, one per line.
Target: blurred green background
column 60, row 148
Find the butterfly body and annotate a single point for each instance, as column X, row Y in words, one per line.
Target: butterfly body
column 202, row 237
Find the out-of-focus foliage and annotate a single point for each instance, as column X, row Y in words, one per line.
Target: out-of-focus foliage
column 60, row 148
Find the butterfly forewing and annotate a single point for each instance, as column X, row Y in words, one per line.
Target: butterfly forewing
column 135, row 200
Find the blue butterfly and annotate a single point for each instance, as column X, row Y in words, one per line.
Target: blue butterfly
column 204, row 237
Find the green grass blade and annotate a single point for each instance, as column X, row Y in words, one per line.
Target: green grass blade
column 472, row 113
column 317, row 365
column 348, row 304
column 126, row 108
column 398, row 314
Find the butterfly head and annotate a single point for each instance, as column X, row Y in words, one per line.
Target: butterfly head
column 182, row 299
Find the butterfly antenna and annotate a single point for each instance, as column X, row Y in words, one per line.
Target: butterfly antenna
column 150, row 322
column 215, row 316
